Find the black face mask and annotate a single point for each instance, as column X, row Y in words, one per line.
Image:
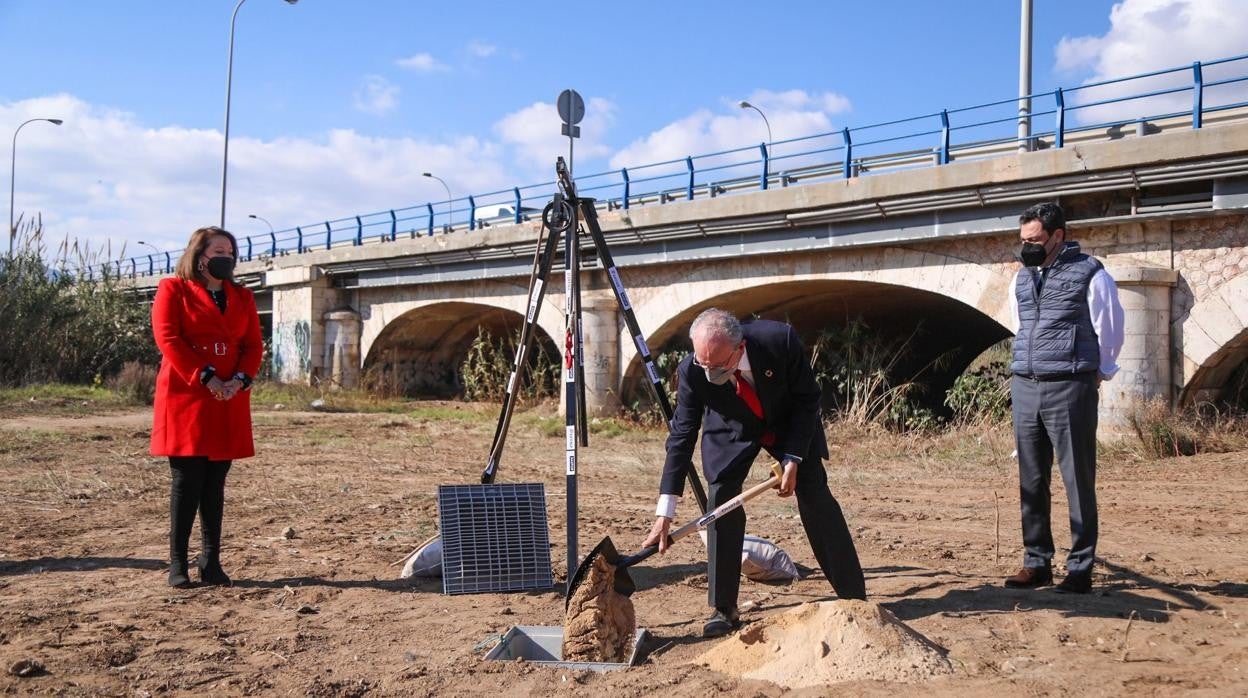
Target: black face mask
column 1032, row 254
column 221, row 268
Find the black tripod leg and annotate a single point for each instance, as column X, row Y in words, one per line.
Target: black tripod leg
column 590, row 215
column 543, row 261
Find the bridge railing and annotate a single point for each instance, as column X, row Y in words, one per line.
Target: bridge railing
column 1179, row 97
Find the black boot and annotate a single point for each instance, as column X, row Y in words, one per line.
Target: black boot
column 211, row 513
column 184, row 492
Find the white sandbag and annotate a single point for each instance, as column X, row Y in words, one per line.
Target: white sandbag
column 763, row 561
column 425, row 561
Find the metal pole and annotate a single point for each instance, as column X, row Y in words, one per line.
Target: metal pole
column 1024, row 78
column 229, row 78
column 13, row 175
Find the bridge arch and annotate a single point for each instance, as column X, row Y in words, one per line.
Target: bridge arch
column 1213, row 341
column 963, row 305
column 419, row 349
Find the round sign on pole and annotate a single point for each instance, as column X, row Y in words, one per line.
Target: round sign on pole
column 571, row 107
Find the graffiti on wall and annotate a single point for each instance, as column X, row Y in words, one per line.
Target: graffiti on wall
column 292, row 350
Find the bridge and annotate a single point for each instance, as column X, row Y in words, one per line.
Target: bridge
column 904, row 239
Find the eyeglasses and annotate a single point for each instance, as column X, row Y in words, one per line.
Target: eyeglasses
column 728, row 363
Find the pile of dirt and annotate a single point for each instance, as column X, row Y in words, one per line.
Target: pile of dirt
column 826, row 643
column 599, row 623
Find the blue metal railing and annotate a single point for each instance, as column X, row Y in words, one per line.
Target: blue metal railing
column 932, row 139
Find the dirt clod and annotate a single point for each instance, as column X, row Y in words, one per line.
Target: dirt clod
column 600, row 622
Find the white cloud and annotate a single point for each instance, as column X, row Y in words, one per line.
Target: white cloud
column 790, row 114
column 480, row 49
column 1148, row 35
column 104, row 178
column 377, row 96
column 534, row 133
column 421, row 63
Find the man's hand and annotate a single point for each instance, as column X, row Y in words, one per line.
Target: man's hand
column 659, row 533
column 788, row 481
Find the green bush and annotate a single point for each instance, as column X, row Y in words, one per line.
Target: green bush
column 485, row 371
column 60, row 329
column 982, row 395
column 857, row 366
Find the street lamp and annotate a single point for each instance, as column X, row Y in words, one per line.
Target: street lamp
column 150, row 259
column 229, row 77
column 448, row 195
column 272, row 236
column 13, row 176
column 746, row 105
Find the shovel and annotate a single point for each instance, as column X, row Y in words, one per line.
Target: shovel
column 623, row 580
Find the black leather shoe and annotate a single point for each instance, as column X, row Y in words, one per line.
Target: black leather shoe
column 1030, row 578
column 1075, row 583
column 721, row 623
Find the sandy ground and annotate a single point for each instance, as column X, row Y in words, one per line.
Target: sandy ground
column 83, row 541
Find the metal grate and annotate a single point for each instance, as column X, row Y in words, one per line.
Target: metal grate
column 494, row 538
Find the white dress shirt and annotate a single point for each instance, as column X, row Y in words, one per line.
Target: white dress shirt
column 1105, row 311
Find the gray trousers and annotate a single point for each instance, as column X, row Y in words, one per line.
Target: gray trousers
column 1057, row 416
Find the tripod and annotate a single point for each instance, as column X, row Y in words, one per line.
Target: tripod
column 562, row 217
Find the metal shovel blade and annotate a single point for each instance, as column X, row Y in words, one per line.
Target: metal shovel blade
column 623, row 581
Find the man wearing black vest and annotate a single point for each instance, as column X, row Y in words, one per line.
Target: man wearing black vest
column 749, row 387
column 1067, row 337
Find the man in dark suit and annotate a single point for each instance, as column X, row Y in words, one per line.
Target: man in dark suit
column 749, row 387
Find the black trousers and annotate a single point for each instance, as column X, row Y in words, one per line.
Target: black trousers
column 826, row 531
column 198, row 484
column 1059, row 417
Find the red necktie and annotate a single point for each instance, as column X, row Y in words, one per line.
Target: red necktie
column 745, row 391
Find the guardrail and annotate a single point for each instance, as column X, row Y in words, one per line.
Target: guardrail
column 928, row 140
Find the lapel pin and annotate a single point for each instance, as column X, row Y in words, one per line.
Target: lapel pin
column 769, row 373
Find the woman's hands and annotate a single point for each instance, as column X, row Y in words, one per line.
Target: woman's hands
column 224, row 390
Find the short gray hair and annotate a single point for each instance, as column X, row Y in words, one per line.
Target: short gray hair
column 716, row 324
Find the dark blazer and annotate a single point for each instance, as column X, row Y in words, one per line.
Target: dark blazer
column 789, row 395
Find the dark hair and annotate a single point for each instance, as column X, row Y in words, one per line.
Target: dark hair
column 1049, row 214
column 187, row 268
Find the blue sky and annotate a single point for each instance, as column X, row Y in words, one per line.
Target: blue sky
column 338, row 105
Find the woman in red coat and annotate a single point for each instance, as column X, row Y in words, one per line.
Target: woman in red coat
column 208, row 333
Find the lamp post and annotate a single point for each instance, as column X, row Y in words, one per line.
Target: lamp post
column 229, row 78
column 150, row 258
column 1024, row 77
column 262, row 218
column 746, row 105
column 448, row 195
column 13, row 176
column 272, row 236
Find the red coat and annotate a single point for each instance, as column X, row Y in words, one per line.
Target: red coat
column 191, row 333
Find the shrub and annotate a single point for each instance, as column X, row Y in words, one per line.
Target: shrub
column 135, row 383
column 857, row 366
column 981, row 395
column 58, row 328
column 487, row 368
column 1164, row 432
